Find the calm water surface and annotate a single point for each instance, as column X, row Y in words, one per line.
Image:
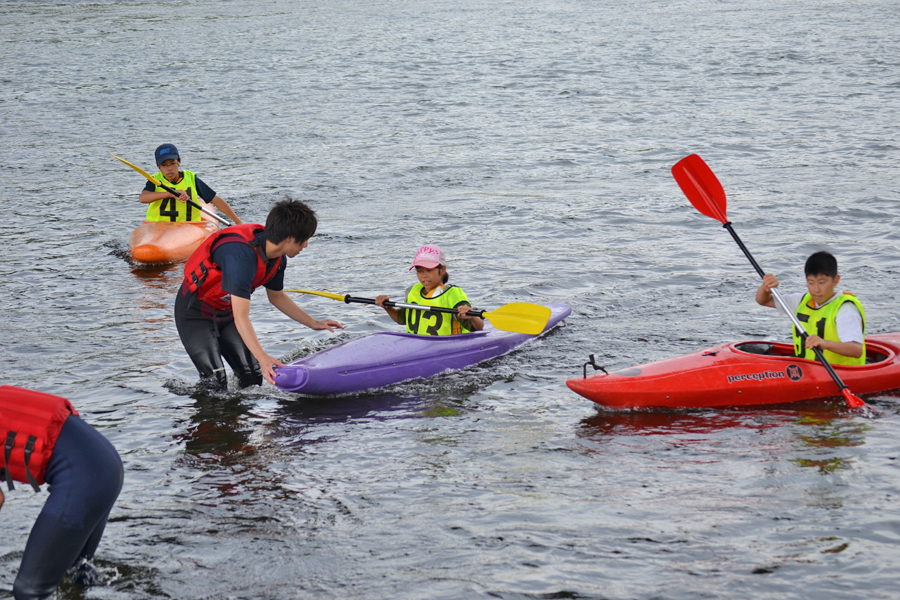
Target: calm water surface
column 533, row 141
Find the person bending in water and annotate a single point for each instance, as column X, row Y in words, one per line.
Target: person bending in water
column 166, row 207
column 433, row 290
column 212, row 308
column 46, row 441
column 835, row 323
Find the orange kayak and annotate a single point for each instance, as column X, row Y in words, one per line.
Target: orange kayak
column 160, row 242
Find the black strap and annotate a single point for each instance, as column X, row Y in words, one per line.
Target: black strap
column 10, row 443
column 29, row 448
column 801, row 353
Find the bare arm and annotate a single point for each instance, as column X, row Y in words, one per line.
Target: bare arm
column 764, row 293
column 851, row 349
column 219, row 203
column 283, row 302
column 392, row 312
column 241, row 309
column 149, row 197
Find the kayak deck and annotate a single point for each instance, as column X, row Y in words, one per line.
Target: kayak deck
column 741, row 374
column 386, row 358
column 160, row 242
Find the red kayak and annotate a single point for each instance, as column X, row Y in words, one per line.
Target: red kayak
column 741, row 374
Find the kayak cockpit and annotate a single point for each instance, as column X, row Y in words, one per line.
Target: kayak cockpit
column 875, row 353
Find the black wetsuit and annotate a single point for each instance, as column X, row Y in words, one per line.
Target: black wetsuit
column 84, row 476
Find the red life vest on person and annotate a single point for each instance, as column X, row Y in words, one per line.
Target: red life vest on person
column 204, row 277
column 30, row 422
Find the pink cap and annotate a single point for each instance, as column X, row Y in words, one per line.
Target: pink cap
column 429, row 256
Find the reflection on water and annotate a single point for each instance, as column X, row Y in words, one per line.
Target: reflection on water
column 308, row 410
column 158, row 283
column 219, row 430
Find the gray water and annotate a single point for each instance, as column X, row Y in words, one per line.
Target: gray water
column 533, row 141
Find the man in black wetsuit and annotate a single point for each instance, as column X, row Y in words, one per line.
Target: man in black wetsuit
column 212, row 308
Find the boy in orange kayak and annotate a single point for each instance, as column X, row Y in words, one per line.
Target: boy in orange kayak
column 433, row 290
column 166, row 207
column 835, row 323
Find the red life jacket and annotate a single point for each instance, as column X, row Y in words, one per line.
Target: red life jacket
column 30, row 422
column 204, row 277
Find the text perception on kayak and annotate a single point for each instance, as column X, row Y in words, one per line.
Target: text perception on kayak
column 792, row 372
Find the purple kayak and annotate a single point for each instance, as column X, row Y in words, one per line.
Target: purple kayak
column 384, row 358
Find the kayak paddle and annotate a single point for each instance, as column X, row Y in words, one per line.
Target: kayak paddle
column 703, row 189
column 520, row 317
column 171, row 190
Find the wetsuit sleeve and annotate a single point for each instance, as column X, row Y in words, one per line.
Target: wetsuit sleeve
column 276, row 284
column 238, row 263
column 204, row 191
column 849, row 323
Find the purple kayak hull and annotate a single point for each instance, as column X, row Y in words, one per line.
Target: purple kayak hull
column 384, row 358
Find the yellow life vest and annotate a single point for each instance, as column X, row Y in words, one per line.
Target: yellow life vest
column 170, row 209
column 425, row 322
column 822, row 322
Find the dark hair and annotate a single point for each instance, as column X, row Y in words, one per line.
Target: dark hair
column 821, row 263
column 290, row 218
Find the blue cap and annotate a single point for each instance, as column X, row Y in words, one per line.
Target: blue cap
column 165, row 152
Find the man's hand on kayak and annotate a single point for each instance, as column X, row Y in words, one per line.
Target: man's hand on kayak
column 267, row 365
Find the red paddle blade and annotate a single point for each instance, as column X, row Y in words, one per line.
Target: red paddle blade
column 852, row 400
column 701, row 187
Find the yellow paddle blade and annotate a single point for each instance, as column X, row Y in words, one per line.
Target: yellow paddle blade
column 138, row 169
column 337, row 297
column 520, row 317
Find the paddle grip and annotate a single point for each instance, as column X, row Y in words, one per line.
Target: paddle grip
column 800, row 329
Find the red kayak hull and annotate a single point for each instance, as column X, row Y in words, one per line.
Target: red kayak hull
column 727, row 375
column 161, row 242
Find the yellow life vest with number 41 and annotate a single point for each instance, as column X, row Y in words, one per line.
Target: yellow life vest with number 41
column 170, row 209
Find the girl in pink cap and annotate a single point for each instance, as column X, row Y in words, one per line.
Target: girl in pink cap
column 433, row 290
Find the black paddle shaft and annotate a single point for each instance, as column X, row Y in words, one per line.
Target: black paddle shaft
column 800, row 330
column 452, row 311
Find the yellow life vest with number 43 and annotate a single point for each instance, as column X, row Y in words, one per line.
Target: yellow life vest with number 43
column 424, row 322
column 821, row 322
column 170, row 209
